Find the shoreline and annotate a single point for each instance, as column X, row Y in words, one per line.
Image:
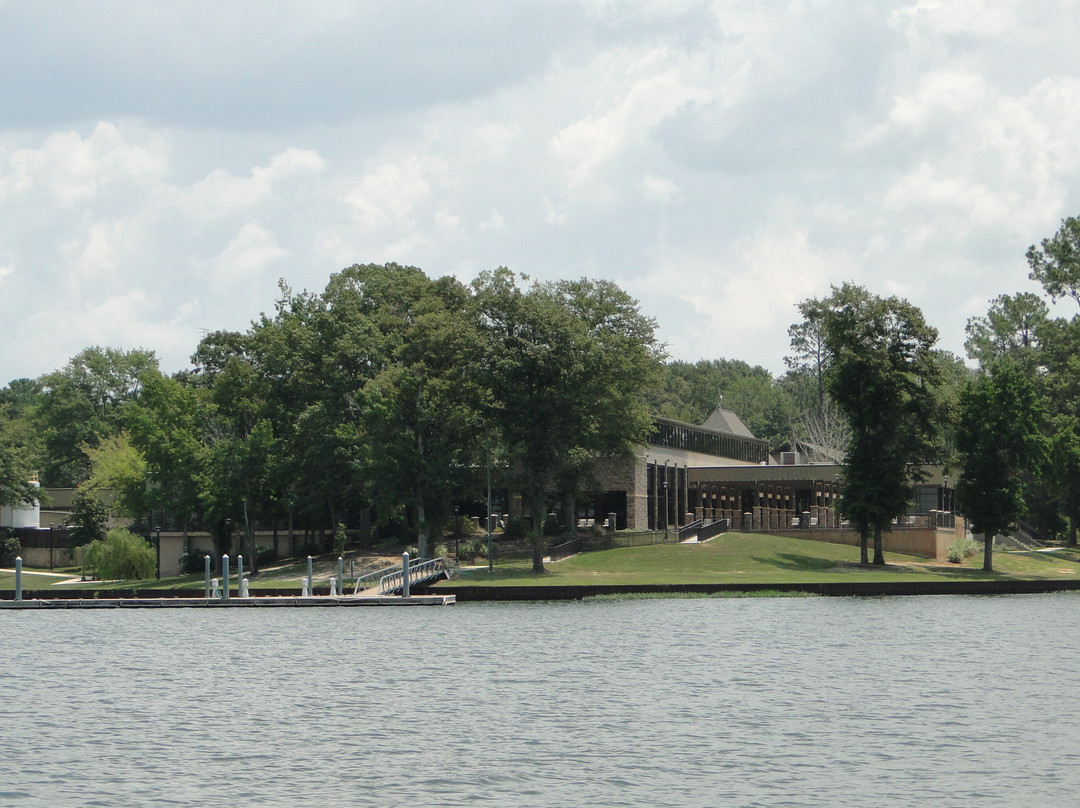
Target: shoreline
column 496, row 593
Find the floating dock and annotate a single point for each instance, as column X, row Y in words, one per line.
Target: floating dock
column 231, row 603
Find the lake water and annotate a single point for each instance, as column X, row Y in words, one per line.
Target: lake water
column 935, row 701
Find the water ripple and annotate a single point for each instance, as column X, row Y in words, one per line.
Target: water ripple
column 846, row 702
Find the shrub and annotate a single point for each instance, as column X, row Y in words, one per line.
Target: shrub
column 961, row 549
column 461, row 526
column 514, row 529
column 88, row 518
column 193, row 561
column 9, row 549
column 265, row 555
column 341, row 537
column 121, row 556
column 440, row 550
column 552, row 526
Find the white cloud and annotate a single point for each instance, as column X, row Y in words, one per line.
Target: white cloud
column 75, row 170
column 221, row 193
column 248, row 258
column 386, row 196
column 659, row 189
column 981, row 18
column 98, row 252
column 720, row 160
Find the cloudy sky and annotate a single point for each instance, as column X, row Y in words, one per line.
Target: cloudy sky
column 162, row 165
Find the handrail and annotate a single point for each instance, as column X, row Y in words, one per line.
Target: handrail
column 713, row 529
column 374, row 576
column 686, row 531
column 420, row 571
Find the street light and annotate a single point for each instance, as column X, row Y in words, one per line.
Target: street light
column 157, row 530
column 945, row 495
column 666, row 520
column 457, row 537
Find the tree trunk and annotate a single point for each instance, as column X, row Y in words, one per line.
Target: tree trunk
column 988, row 552
column 249, row 534
column 879, row 549
column 570, row 513
column 537, row 503
column 421, row 527
column 222, row 539
column 1072, row 528
column 864, row 555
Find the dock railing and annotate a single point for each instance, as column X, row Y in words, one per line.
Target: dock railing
column 391, row 579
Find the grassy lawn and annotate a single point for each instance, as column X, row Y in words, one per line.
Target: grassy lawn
column 757, row 559
column 285, row 578
column 31, row 579
column 733, row 558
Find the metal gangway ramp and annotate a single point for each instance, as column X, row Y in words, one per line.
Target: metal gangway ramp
column 391, row 580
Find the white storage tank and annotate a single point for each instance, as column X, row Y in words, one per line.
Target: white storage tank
column 23, row 514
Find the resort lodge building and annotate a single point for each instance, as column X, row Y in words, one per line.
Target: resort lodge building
column 719, row 470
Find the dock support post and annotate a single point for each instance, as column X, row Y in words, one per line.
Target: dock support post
column 18, row 577
column 341, row 574
column 240, row 572
column 404, row 575
column 206, row 576
column 225, row 576
column 311, row 591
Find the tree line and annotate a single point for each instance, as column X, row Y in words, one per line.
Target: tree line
column 386, row 392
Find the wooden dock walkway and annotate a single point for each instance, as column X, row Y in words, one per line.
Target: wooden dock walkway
column 231, row 603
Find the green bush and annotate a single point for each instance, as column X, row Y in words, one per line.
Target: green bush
column 9, row 549
column 461, row 526
column 961, row 549
column 88, row 518
column 193, row 561
column 121, row 556
column 552, row 526
column 341, row 538
column 514, row 529
column 265, row 555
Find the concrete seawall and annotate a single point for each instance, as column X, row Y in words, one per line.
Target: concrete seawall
column 847, row 589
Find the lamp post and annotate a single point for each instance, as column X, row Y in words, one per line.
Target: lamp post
column 157, row 530
column 457, row 536
column 836, row 499
column 945, row 495
column 487, row 513
column 666, row 521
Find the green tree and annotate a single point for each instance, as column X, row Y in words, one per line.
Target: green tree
column 1063, row 468
column 168, row 428
column 20, row 436
column 567, row 366
column 121, row 556
column 89, row 517
column 15, row 453
column 82, row 403
column 883, row 375
column 117, row 466
column 14, row 479
column 1009, row 329
column 810, row 356
column 999, row 441
column 1056, row 263
column 692, row 391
